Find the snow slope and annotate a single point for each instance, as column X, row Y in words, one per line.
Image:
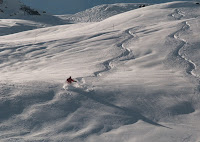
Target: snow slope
column 14, row 8
column 17, row 17
column 138, row 80
column 73, row 6
column 101, row 12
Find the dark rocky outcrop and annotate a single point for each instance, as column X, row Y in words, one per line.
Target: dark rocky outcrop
column 28, row 10
column 140, row 6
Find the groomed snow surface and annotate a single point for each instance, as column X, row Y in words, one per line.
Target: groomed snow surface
column 138, row 78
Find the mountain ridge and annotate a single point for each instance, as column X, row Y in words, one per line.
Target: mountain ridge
column 101, row 12
column 75, row 6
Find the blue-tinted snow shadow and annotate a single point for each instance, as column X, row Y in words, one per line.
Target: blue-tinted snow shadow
column 13, row 106
column 15, row 98
column 132, row 116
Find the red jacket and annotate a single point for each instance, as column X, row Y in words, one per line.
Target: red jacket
column 70, row 80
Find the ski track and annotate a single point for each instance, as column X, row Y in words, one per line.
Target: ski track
column 126, row 54
column 192, row 66
column 178, row 14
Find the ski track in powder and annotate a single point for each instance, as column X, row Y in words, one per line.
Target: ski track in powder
column 192, row 66
column 127, row 54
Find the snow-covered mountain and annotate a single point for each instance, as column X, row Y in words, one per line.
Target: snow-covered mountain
column 137, row 75
column 101, row 12
column 9, row 8
column 74, row 6
column 17, row 17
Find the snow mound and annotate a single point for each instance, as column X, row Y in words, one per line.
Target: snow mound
column 101, row 12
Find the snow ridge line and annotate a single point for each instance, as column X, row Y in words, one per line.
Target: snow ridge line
column 192, row 65
column 126, row 54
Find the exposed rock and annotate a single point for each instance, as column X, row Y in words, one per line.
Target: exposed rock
column 28, row 10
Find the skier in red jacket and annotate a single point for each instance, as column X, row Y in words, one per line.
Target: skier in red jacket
column 70, row 80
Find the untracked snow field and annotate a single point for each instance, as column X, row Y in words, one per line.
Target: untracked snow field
column 138, row 78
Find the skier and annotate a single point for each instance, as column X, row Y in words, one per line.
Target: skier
column 70, row 80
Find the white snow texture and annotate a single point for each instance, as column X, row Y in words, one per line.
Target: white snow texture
column 137, row 73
